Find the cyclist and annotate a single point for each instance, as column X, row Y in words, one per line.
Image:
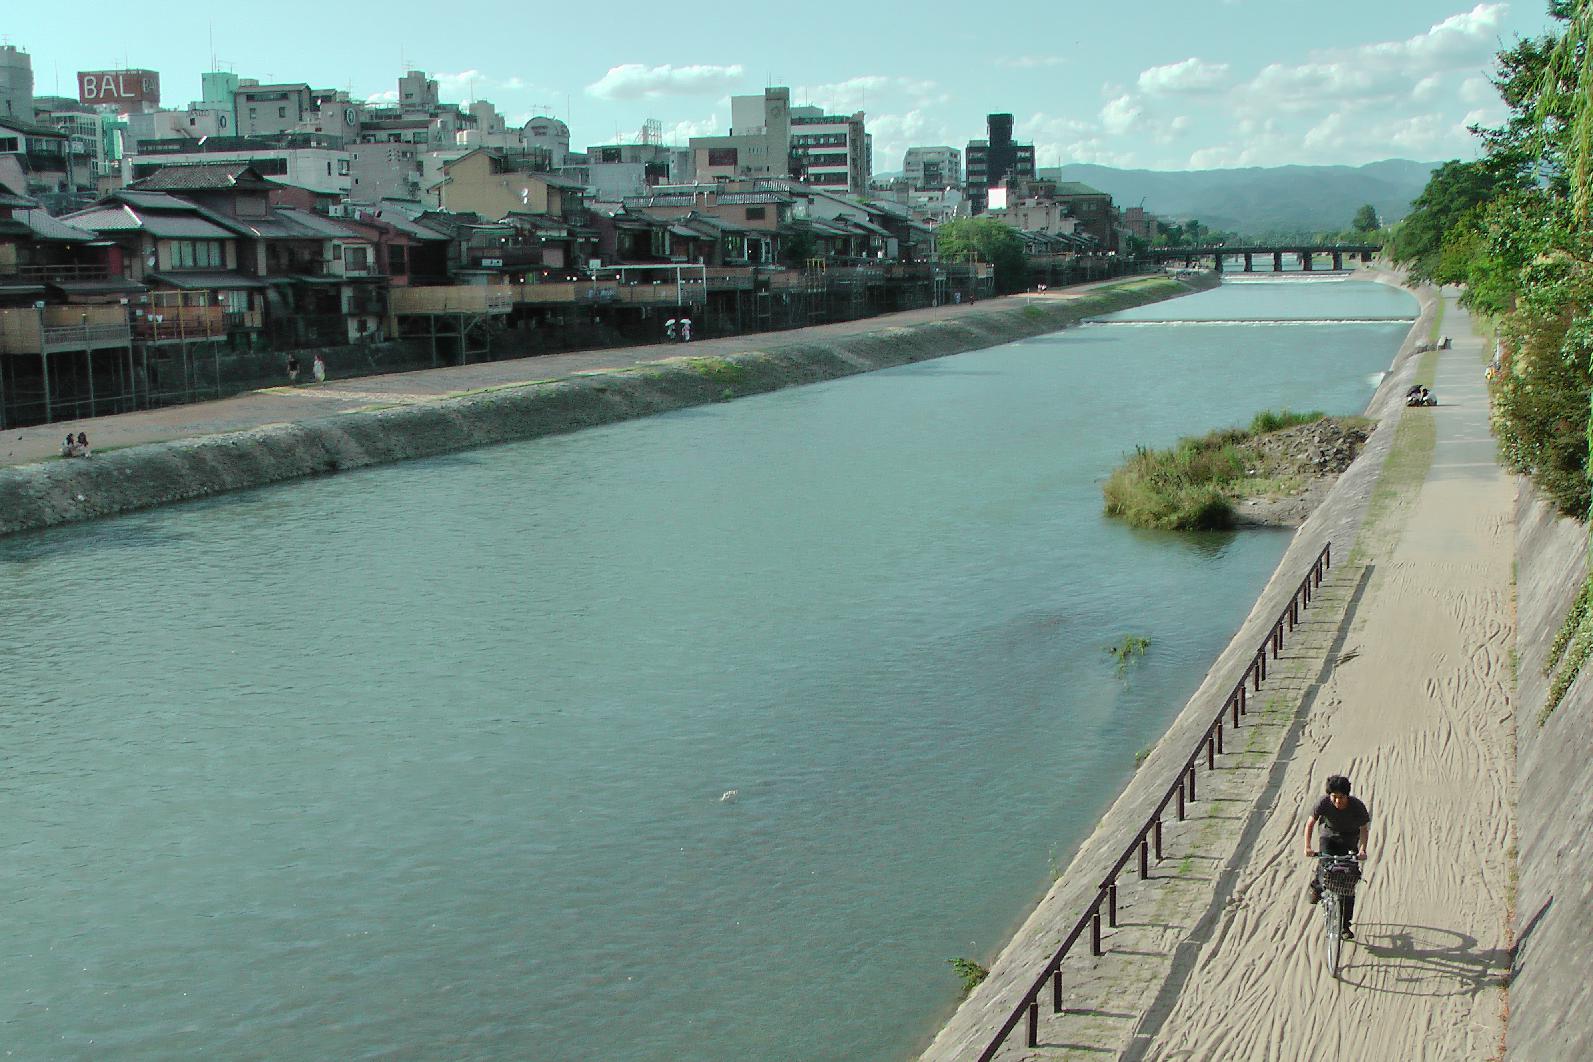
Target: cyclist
column 1346, row 825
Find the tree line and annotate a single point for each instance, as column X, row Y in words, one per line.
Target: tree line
column 1513, row 228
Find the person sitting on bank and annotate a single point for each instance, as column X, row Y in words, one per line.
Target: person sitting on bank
column 69, row 448
column 83, row 445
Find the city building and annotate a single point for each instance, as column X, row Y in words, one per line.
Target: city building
column 265, row 109
column 829, row 150
column 306, row 160
column 494, row 184
column 16, row 83
column 931, row 168
column 759, row 142
column 996, row 161
column 550, row 133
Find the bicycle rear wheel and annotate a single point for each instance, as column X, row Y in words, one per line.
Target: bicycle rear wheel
column 1335, row 935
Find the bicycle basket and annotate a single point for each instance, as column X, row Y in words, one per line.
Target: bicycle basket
column 1341, row 877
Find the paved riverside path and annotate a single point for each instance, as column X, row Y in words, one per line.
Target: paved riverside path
column 1417, row 712
column 279, row 405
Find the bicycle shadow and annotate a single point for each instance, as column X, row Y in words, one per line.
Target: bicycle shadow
column 1429, row 961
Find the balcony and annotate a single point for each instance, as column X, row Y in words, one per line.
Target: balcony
column 43, row 274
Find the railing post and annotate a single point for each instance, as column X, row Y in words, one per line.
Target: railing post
column 1234, row 703
column 1327, row 555
column 1034, row 1022
column 1157, row 833
column 1219, row 737
column 1191, row 783
column 1144, row 858
column 1261, row 667
column 1056, row 988
column 1095, row 933
column 1180, row 800
column 1111, row 904
column 1211, row 752
column 1244, row 706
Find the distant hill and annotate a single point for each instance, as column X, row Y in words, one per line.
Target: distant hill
column 1259, row 201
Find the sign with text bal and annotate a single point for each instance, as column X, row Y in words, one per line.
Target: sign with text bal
column 122, row 87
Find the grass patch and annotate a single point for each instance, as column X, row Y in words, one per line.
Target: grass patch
column 721, row 371
column 1191, row 485
column 970, row 972
column 1569, row 650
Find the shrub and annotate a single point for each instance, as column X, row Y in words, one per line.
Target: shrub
column 1276, row 420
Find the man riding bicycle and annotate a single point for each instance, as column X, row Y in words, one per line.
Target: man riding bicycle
column 1346, row 825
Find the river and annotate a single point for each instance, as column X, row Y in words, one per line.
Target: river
column 711, row 735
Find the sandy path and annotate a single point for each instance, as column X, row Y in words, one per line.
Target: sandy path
column 1417, row 713
column 279, row 405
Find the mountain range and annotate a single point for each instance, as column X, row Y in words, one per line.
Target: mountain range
column 1262, row 201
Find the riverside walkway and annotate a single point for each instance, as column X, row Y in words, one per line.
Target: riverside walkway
column 1416, row 710
column 278, row 405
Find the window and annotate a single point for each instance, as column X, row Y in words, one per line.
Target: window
column 397, row 259
column 357, row 260
column 342, row 167
column 253, row 113
column 723, row 157
column 197, row 254
column 282, row 112
column 8, row 143
column 756, row 213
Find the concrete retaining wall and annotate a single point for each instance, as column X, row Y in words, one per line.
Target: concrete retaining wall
column 1551, row 984
column 61, row 491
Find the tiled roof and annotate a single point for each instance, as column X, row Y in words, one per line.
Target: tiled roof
column 201, row 177
column 44, row 227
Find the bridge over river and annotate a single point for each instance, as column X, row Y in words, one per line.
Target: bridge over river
column 1307, row 253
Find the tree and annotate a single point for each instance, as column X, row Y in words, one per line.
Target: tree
column 986, row 240
column 1366, row 219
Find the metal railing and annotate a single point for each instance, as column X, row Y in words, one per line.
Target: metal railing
column 1148, row 839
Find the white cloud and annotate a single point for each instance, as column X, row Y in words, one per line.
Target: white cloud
column 385, row 96
column 683, row 131
column 1120, row 115
column 1189, row 76
column 634, row 81
column 514, row 84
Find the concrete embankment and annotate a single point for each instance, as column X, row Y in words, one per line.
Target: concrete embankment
column 1103, row 1008
column 56, row 492
column 1551, row 983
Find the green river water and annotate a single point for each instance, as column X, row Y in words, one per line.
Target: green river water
column 708, row 736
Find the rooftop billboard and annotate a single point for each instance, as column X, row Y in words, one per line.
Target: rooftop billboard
column 119, row 87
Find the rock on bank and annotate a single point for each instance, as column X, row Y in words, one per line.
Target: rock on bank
column 62, row 491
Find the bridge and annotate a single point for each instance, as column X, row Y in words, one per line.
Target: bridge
column 1307, row 253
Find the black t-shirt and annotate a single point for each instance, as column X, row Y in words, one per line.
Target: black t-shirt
column 1345, row 824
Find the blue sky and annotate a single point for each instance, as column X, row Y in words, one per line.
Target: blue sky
column 1160, row 84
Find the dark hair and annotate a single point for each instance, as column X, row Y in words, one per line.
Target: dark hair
column 1337, row 783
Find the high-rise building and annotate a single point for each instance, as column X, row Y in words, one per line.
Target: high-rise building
column 830, row 150
column 995, row 161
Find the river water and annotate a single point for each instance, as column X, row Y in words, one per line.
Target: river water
column 711, row 735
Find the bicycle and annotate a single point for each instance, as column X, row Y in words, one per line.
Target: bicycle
column 1337, row 877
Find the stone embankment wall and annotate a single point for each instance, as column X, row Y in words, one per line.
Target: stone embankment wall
column 62, row 491
column 1551, row 983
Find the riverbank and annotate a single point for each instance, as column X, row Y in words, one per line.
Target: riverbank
column 1106, row 998
column 164, row 456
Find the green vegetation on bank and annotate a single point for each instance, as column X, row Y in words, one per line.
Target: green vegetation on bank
column 1513, row 228
column 1192, row 485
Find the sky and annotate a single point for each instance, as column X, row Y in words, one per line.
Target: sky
column 1154, row 84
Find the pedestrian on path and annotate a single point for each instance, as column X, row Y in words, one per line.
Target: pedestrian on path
column 318, row 369
column 685, row 329
column 293, row 368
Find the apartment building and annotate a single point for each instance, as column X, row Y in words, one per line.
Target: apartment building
column 265, row 109
column 995, row 161
column 830, row 150
column 931, row 168
column 318, row 163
